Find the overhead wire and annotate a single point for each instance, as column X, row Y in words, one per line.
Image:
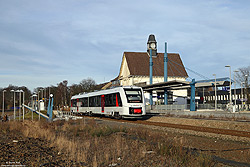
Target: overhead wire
column 200, row 75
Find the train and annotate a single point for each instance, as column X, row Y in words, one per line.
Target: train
column 119, row 102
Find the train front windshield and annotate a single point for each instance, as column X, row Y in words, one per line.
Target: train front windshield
column 133, row 95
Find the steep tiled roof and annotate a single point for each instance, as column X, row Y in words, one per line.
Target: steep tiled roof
column 138, row 64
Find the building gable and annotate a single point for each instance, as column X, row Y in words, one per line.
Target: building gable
column 138, row 65
column 124, row 69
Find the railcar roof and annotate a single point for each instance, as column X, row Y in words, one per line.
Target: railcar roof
column 103, row 92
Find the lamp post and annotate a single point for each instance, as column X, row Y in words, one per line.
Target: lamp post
column 215, row 92
column 19, row 91
column 14, row 104
column 235, row 89
column 230, row 103
column 241, row 85
column 23, row 103
column 38, row 103
column 45, row 96
column 3, row 103
column 246, row 85
column 34, row 96
column 42, row 93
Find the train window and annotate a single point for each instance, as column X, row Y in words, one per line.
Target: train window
column 74, row 102
column 98, row 101
column 95, row 101
column 133, row 95
column 84, row 102
column 110, row 100
column 91, row 101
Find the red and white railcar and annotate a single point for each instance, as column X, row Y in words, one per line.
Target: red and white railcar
column 119, row 102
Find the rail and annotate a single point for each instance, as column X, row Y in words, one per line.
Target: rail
column 37, row 112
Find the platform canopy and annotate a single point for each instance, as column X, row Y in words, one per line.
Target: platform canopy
column 177, row 84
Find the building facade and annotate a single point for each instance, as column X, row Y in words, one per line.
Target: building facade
column 134, row 70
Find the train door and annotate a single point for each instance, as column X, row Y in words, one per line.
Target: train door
column 102, row 102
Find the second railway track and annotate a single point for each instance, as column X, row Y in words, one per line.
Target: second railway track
column 188, row 127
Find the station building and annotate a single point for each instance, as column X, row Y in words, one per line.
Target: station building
column 134, row 70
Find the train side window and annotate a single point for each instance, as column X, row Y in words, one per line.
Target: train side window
column 98, row 101
column 74, row 102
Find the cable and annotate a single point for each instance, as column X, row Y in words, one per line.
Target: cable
column 200, row 75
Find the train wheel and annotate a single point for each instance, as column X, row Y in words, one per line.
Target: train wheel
column 90, row 113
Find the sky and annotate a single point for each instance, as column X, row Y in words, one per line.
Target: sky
column 44, row 42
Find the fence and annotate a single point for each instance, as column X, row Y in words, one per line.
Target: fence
column 166, row 107
column 198, row 107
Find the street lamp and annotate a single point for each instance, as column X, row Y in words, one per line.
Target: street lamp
column 230, row 103
column 235, row 88
column 215, row 83
column 19, row 91
column 23, row 103
column 14, row 104
column 38, row 103
column 34, row 96
column 3, row 103
column 241, row 85
column 246, row 85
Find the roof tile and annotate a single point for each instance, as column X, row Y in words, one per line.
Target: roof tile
column 138, row 64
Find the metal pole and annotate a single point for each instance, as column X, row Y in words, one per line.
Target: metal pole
column 203, row 96
column 151, row 76
column 42, row 94
column 165, row 74
column 20, row 105
column 14, row 106
column 241, row 94
column 38, row 105
column 246, row 91
column 235, row 89
column 3, row 103
column 23, row 104
column 230, row 88
column 230, row 103
column 51, row 109
column 192, row 97
column 215, row 83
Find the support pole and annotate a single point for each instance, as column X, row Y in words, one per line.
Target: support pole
column 51, row 109
column 48, row 110
column 192, row 97
column 165, row 74
column 20, row 104
column 14, row 106
column 151, row 77
column 23, row 103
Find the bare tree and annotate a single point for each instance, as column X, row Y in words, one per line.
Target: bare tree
column 88, row 85
column 243, row 76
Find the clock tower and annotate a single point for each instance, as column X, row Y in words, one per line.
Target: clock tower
column 152, row 44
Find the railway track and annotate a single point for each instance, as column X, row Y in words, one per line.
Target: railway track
column 187, row 127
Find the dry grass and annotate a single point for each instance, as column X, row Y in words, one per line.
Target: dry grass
column 105, row 146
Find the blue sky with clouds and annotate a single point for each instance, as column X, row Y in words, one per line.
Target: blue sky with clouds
column 44, row 42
